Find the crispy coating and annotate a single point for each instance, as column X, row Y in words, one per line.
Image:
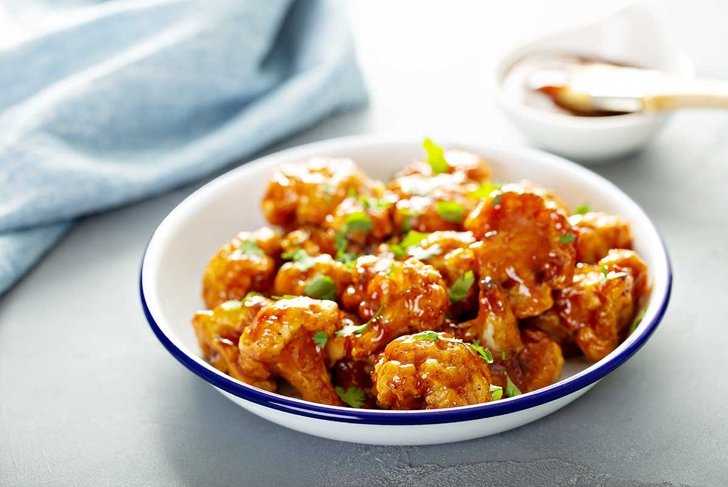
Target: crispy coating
column 362, row 219
column 279, row 343
column 313, row 240
column 395, row 298
column 218, row 331
column 537, row 364
column 600, row 304
column 597, row 234
column 292, row 277
column 527, row 245
column 421, row 373
column 246, row 263
column 301, row 194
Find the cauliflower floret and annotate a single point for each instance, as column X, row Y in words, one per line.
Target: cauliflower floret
column 296, row 278
column 301, row 194
column 597, row 233
column 527, row 246
column 430, row 370
column 280, row 343
column 219, row 330
column 246, row 263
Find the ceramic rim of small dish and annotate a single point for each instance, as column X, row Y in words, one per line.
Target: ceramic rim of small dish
column 299, row 407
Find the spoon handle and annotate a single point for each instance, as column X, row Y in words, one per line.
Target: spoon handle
column 699, row 93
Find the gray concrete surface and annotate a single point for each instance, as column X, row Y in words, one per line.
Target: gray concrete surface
column 89, row 397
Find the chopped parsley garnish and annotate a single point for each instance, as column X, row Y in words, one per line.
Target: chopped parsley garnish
column 637, row 320
column 450, row 211
column 511, row 389
column 482, row 351
column 352, row 193
column 251, row 295
column 435, row 156
column 353, row 396
column 320, row 287
column 320, row 338
column 413, row 238
column 359, row 222
column 496, row 392
column 284, row 296
column 231, row 305
column 566, row 238
column 582, row 210
column 300, row 257
column 503, row 354
column 430, row 336
column 368, row 202
column 424, row 254
column 249, row 248
column 354, row 329
column 605, row 272
column 484, row 191
column 461, row 287
column 496, row 200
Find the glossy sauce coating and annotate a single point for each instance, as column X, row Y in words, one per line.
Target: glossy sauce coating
column 440, row 288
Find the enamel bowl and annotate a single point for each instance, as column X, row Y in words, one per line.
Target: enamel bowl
column 632, row 36
column 170, row 287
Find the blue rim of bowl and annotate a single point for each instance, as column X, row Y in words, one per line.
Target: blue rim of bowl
column 435, row 416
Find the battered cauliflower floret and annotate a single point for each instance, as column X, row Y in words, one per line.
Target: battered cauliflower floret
column 601, row 303
column 219, row 330
column 393, row 298
column 448, row 252
column 428, row 371
column 529, row 358
column 280, row 343
column 301, row 194
column 465, row 165
column 313, row 240
column 246, row 263
column 363, row 220
column 597, row 233
column 296, row 278
column 526, row 245
column 427, row 214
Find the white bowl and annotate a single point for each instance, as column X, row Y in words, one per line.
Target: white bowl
column 631, row 36
column 170, row 285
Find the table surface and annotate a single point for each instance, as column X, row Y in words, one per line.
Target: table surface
column 89, row 397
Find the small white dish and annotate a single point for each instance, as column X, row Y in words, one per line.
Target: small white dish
column 183, row 243
column 632, row 36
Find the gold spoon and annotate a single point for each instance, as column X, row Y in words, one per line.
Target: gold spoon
column 601, row 88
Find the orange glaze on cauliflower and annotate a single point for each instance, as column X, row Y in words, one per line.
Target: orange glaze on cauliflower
column 246, row 263
column 382, row 294
column 429, row 371
column 526, row 245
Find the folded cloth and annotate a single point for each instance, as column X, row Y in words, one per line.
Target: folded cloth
column 129, row 99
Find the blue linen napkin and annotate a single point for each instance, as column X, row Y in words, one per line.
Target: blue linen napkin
column 131, row 98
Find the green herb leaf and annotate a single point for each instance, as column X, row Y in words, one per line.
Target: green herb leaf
column 637, row 320
column 423, row 254
column 251, row 295
column 429, row 336
column 284, row 296
column 496, row 199
column 482, row 351
column 484, row 191
column 368, row 202
column 461, row 287
column 320, row 338
column 451, row 211
column 582, row 210
column 605, row 273
column 496, row 392
column 353, row 396
column 359, row 222
column 503, row 354
column 398, row 250
column 321, row 287
column 566, row 238
column 354, row 329
column 248, row 248
column 511, row 389
column 413, row 238
column 435, row 156
column 300, row 257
